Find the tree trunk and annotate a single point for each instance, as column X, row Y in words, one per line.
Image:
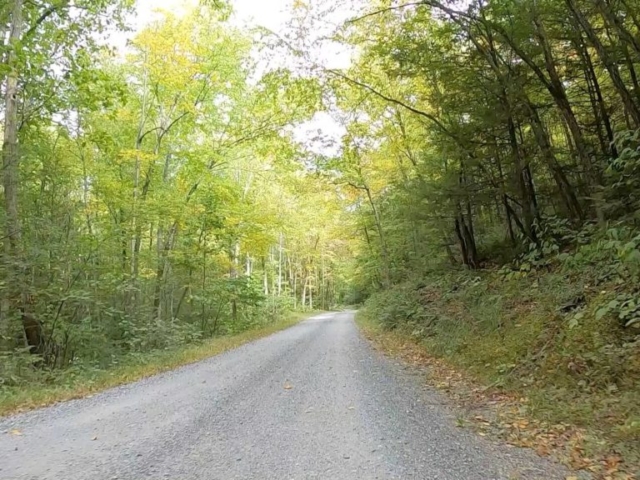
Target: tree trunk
column 616, row 24
column 383, row 242
column 542, row 138
column 598, row 104
column 265, row 277
column 233, row 274
column 559, row 94
column 16, row 301
column 280, row 246
column 608, row 62
column 526, row 195
column 565, row 188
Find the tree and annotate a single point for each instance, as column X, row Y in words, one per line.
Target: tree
column 147, row 198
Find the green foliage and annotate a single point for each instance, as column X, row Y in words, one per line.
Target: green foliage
column 398, row 306
column 30, row 387
column 546, row 336
column 622, row 175
column 161, row 198
column 491, row 154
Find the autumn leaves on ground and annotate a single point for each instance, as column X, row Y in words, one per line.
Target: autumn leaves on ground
column 471, row 178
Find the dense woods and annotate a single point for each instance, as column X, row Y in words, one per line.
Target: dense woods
column 494, row 148
column 152, row 198
column 505, row 119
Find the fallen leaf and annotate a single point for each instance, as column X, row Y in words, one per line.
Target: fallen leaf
column 95, row 438
column 542, row 450
column 287, row 386
column 15, row 432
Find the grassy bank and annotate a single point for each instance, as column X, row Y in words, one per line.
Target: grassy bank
column 70, row 383
column 540, row 357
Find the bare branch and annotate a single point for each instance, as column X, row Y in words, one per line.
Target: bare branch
column 384, row 10
column 395, row 101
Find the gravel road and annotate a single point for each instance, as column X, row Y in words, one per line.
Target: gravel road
column 312, row 402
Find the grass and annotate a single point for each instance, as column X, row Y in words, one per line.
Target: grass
column 569, row 382
column 84, row 383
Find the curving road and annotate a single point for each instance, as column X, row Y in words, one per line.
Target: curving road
column 312, row 402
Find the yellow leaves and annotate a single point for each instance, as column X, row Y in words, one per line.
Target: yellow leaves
column 543, row 450
column 131, row 156
column 299, row 4
column 15, row 432
column 287, row 385
column 522, row 424
column 147, row 273
column 178, row 54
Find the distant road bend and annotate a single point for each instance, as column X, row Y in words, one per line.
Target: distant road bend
column 312, row 402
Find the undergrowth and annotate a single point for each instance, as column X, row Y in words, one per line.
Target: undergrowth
column 45, row 388
column 558, row 327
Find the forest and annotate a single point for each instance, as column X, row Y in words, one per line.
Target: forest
column 482, row 198
column 152, row 199
column 495, row 149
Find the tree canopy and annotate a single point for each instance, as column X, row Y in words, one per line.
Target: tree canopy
column 154, row 199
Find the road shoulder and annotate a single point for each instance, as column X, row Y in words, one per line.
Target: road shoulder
column 484, row 410
column 87, row 383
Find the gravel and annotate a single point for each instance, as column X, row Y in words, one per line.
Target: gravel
column 312, row 402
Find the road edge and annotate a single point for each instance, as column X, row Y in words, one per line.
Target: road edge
column 479, row 408
column 30, row 398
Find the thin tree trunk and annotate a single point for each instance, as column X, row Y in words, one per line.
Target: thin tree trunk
column 493, row 59
column 265, row 277
column 558, row 92
column 598, row 104
column 609, row 63
column 280, row 246
column 233, row 274
column 565, row 188
column 16, row 301
column 616, row 23
column 383, row 241
column 295, row 291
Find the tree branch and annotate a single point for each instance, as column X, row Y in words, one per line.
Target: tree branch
column 176, row 120
column 384, row 10
column 141, row 138
column 46, row 14
column 395, row 101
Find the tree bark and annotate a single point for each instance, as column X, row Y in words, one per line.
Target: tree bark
column 608, row 62
column 16, row 301
column 234, row 255
column 280, row 246
column 556, row 87
column 383, row 241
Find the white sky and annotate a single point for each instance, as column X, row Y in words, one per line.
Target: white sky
column 266, row 13
column 271, row 14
